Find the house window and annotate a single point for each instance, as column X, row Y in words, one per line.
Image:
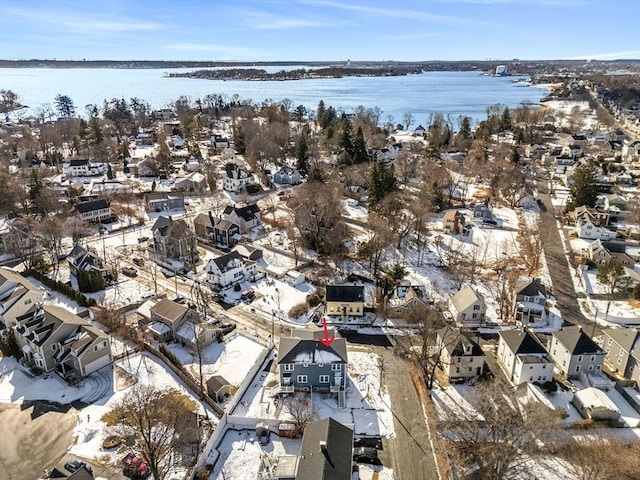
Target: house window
column 471, row 369
column 321, row 365
column 590, row 367
column 593, row 358
column 577, row 368
column 301, row 379
column 336, row 367
column 530, row 367
column 305, row 365
column 476, row 307
column 544, row 367
column 288, row 367
column 579, row 358
column 323, row 378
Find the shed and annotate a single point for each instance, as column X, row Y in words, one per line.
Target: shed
column 218, row 388
column 294, row 278
column 594, row 404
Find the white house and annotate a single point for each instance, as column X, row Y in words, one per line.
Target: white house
column 17, row 295
column 523, row 357
column 468, row 308
column 228, row 269
column 94, row 210
column 236, row 178
column 460, row 356
column 588, row 230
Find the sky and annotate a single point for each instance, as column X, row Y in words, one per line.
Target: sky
column 322, row 30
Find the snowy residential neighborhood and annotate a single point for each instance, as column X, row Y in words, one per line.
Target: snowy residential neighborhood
column 221, row 290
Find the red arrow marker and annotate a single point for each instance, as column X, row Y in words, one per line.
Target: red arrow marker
column 326, row 341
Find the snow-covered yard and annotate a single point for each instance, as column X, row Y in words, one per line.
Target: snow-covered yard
column 368, row 405
column 232, row 359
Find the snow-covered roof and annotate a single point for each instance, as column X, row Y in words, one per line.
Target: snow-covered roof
column 159, row 328
column 594, row 398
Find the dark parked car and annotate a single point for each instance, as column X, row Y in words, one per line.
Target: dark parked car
column 129, row 271
column 365, row 455
column 138, row 261
column 75, row 465
column 142, row 239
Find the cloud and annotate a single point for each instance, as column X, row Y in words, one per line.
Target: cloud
column 259, row 20
column 88, row 23
column 395, row 13
column 551, row 3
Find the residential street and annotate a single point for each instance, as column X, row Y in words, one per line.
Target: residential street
column 409, row 453
column 559, row 269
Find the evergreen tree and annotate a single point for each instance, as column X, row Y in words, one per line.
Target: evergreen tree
column 465, row 128
column 320, row 113
column 316, row 174
column 584, row 190
column 65, row 106
column 125, row 150
column 35, row 185
column 345, row 141
column 382, row 181
column 359, row 148
column 109, row 172
column 506, row 119
column 302, row 155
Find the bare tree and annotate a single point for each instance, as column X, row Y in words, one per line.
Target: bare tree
column 155, row 423
column 529, row 247
column 602, row 458
column 500, row 434
column 299, row 406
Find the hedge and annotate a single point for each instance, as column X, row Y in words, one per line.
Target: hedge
column 61, row 287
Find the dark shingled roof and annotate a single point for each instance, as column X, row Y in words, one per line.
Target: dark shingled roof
column 332, row 463
column 345, row 293
column 522, row 342
column 92, row 206
column 290, row 347
column 576, row 341
column 454, row 342
column 530, row 287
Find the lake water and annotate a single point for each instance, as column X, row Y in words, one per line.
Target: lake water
column 451, row 93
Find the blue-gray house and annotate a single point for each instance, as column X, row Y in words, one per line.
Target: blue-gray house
column 306, row 364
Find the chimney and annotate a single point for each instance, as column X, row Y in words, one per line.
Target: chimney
column 323, row 447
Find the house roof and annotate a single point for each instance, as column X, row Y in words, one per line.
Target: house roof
column 595, row 399
column 451, row 214
column 625, row 337
column 466, row 297
column 203, row 219
column 169, row 309
column 522, row 342
column 247, row 213
column 161, row 225
column 576, row 341
column 10, row 275
column 530, row 287
column 227, row 261
column 91, row 206
column 326, row 453
column 455, row 343
column 216, row 382
column 78, row 163
column 345, row 293
column 305, row 348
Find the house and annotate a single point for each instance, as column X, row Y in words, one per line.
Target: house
column 173, row 239
column 468, row 308
column 287, row 176
column 228, row 269
column 145, row 139
column 147, row 167
column 17, row 295
column 218, row 141
column 305, row 364
column 326, row 452
column 452, row 222
column 236, row 178
column 196, row 335
column 76, row 168
column 294, row 278
column 194, row 182
column 164, row 202
column 631, row 150
column 622, row 347
column 405, row 297
column 93, row 210
column 594, row 404
column 246, row 217
column 604, row 253
column 192, row 165
column 82, row 259
column 419, row 131
column 523, row 357
column 587, row 229
column 109, row 187
column 54, row 338
column 219, row 388
column 574, row 352
column 530, row 302
column 345, row 300
column 216, row 231
column 167, row 316
column 579, row 139
column 483, row 210
column 460, row 357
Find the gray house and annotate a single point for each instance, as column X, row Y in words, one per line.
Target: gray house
column 622, row 347
column 530, row 302
column 574, row 352
column 306, row 364
column 326, row 453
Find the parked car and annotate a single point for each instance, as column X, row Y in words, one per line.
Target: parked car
column 129, row 271
column 138, row 261
column 142, row 239
column 365, row 455
column 75, row 465
column 135, row 467
column 248, row 295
